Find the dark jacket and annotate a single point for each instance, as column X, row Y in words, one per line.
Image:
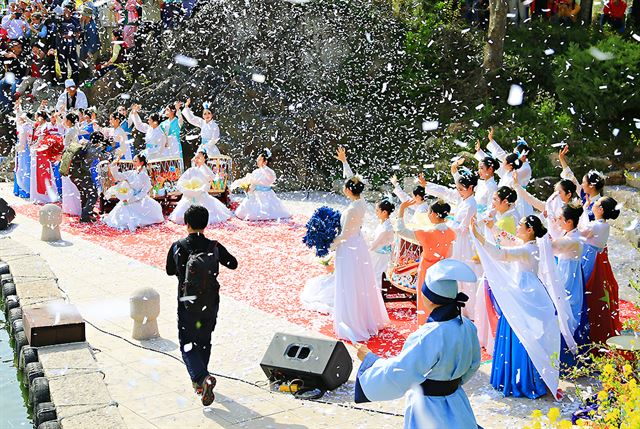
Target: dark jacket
column 177, row 258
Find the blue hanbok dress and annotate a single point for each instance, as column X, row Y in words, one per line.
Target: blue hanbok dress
column 568, row 250
column 22, row 172
column 444, row 349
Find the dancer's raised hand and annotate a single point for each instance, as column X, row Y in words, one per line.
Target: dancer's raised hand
column 341, row 154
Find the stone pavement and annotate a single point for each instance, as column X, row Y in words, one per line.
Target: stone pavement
column 153, row 390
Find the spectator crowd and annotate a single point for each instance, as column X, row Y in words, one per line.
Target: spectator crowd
column 45, row 42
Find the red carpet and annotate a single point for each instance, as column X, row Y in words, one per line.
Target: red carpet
column 274, row 265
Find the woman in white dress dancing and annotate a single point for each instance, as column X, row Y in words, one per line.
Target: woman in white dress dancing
column 194, row 185
column 261, row 202
column 137, row 208
column 209, row 130
column 359, row 312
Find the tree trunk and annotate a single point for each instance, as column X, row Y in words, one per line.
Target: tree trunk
column 494, row 48
column 586, row 12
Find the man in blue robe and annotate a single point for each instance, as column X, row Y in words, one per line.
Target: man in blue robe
column 435, row 361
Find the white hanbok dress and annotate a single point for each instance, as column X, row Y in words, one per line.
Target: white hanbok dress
column 358, row 302
column 71, row 203
column 140, row 210
column 155, row 139
column 319, row 292
column 416, row 214
column 194, row 184
column 261, row 202
column 506, row 177
column 209, row 132
column 463, row 249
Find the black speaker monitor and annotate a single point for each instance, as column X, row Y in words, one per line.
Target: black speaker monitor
column 324, row 364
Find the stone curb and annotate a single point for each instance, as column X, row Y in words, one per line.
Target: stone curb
column 72, row 393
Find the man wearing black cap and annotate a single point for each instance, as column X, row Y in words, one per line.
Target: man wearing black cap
column 435, row 361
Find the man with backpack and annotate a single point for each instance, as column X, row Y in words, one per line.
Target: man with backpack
column 77, row 161
column 195, row 261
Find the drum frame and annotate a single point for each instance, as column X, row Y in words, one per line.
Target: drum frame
column 396, row 291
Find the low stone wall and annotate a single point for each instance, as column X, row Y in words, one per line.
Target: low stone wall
column 66, row 388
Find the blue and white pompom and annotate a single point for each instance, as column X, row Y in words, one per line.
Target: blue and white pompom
column 267, row 152
column 206, row 105
column 322, row 229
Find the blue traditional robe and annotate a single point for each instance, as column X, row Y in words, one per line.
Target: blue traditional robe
column 443, row 349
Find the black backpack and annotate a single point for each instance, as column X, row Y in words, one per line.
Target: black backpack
column 200, row 284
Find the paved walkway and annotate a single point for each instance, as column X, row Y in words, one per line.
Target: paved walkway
column 154, row 390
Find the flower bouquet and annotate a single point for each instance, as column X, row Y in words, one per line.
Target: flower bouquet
column 192, row 185
column 322, row 228
column 243, row 183
column 122, row 191
column 328, row 264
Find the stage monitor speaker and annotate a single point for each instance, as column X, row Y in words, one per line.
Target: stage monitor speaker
column 324, row 364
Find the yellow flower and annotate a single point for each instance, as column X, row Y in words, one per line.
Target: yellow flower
column 536, row 414
column 565, row 424
column 627, row 369
column 553, row 414
column 602, row 395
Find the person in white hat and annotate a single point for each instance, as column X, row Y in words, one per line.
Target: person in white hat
column 435, row 361
column 72, row 98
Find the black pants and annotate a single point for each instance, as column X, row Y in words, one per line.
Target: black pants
column 88, row 195
column 194, row 335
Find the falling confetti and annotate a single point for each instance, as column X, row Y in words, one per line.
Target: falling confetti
column 516, row 95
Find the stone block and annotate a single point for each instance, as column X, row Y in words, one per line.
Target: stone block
column 144, row 307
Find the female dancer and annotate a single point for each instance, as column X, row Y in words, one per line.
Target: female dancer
column 487, row 166
column 600, row 284
column 564, row 192
column 171, row 127
column 436, row 241
column 591, row 187
column 261, row 202
column 359, row 311
column 419, row 208
column 465, row 210
column 319, row 292
column 45, row 149
column 501, row 224
column 522, row 358
column 568, row 249
column 22, row 171
column 209, row 130
column 140, row 209
column 154, row 138
column 194, row 185
column 71, row 203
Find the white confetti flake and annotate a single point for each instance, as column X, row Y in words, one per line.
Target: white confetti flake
column 516, row 95
column 460, row 143
column 430, row 125
column 549, row 52
column 257, row 77
column 183, row 60
column 636, row 37
column 479, row 106
column 187, row 347
column 9, row 78
column 599, row 55
column 616, row 131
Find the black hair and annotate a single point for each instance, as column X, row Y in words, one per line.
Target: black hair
column 595, row 179
column 569, row 187
column 119, row 35
column 142, row 158
column 155, row 117
column 440, row 208
column 197, row 217
column 355, row 185
column 609, row 205
column 490, row 162
column 72, row 117
column 97, row 137
column 534, row 222
column 572, row 212
column 386, row 206
column 172, row 107
column 203, row 152
column 82, row 111
column 506, row 193
column 44, row 115
column 266, row 156
column 468, row 178
column 523, row 149
column 118, row 116
column 419, row 191
column 514, row 160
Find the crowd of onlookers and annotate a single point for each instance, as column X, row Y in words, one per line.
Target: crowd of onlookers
column 567, row 12
column 45, row 42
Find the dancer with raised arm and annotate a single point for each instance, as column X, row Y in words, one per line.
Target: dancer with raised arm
column 209, row 130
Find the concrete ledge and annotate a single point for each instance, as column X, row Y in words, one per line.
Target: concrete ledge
column 76, row 384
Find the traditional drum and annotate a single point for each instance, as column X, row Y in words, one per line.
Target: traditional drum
column 222, row 166
column 405, row 258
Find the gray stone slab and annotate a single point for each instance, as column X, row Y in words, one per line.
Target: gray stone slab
column 102, row 418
